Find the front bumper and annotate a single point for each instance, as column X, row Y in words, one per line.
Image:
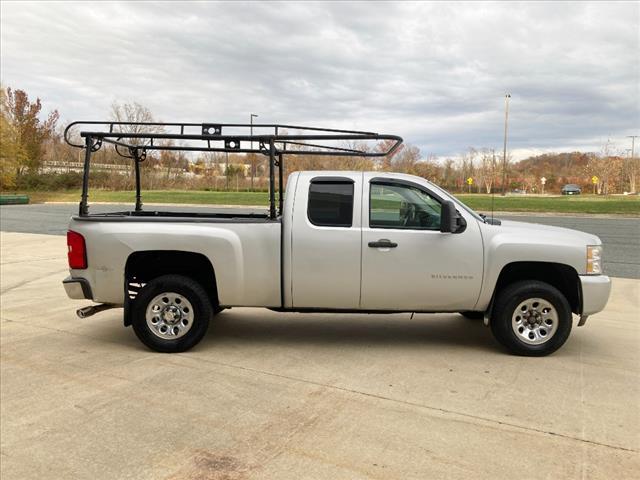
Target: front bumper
column 77, row 288
column 595, row 293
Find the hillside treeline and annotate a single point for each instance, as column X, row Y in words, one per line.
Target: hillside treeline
column 34, row 156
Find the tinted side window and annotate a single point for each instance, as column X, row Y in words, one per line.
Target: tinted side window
column 399, row 206
column 331, row 204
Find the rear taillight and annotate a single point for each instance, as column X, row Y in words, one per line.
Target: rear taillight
column 77, row 250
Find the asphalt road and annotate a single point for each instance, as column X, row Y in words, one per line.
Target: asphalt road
column 620, row 236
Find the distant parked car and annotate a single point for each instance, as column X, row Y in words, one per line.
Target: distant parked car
column 518, row 191
column 571, row 189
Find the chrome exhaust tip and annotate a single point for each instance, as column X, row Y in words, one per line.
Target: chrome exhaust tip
column 85, row 312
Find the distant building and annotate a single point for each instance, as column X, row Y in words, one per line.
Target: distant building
column 57, row 166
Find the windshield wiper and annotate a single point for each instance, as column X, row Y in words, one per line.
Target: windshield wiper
column 489, row 221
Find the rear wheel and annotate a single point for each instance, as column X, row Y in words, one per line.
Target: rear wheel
column 171, row 313
column 531, row 318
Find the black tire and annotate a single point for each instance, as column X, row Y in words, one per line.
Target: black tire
column 473, row 315
column 187, row 288
column 505, row 307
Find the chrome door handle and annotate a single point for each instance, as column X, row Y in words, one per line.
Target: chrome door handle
column 383, row 243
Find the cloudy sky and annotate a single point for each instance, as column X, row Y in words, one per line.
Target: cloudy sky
column 434, row 73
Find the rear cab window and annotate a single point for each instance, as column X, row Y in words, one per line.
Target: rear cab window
column 331, row 202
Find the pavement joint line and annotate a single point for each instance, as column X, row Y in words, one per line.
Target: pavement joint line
column 414, row 404
column 26, row 282
column 31, row 260
column 622, row 263
column 583, row 464
column 52, row 329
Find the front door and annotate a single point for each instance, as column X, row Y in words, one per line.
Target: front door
column 407, row 263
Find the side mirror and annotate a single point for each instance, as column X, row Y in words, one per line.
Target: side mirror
column 448, row 217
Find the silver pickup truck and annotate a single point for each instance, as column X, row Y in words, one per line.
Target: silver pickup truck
column 337, row 241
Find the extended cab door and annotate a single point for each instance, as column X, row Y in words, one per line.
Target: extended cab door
column 326, row 241
column 407, row 263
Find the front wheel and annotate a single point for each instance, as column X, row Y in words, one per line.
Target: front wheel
column 171, row 313
column 531, row 318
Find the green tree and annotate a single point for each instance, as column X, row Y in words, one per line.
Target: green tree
column 23, row 130
column 10, row 152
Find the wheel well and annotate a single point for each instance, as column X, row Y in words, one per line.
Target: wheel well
column 562, row 277
column 142, row 267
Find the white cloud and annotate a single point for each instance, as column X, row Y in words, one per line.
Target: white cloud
column 435, row 73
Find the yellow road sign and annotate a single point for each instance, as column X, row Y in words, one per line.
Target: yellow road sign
column 594, row 180
column 470, row 181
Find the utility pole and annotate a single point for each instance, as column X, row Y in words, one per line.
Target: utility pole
column 253, row 155
column 633, row 145
column 504, row 151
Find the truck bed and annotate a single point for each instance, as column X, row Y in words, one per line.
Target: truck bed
column 243, row 249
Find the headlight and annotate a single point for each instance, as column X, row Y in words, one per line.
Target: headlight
column 594, row 259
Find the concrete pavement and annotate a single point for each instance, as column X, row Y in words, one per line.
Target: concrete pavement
column 270, row 395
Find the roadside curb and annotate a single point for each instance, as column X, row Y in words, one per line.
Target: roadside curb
column 566, row 214
column 486, row 212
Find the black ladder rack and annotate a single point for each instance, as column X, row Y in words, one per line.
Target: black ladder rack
column 134, row 139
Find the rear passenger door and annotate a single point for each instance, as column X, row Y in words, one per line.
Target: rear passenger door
column 326, row 241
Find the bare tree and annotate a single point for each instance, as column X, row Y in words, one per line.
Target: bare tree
column 467, row 167
column 606, row 166
column 387, row 161
column 212, row 166
column 253, row 161
column 631, row 170
column 428, row 168
column 406, row 160
column 529, row 181
column 132, row 114
column 488, row 168
column 448, row 174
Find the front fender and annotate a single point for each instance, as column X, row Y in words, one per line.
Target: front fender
column 502, row 250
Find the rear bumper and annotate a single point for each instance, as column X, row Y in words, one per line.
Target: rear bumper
column 77, row 288
column 595, row 293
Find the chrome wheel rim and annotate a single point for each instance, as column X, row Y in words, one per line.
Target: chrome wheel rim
column 169, row 315
column 535, row 321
